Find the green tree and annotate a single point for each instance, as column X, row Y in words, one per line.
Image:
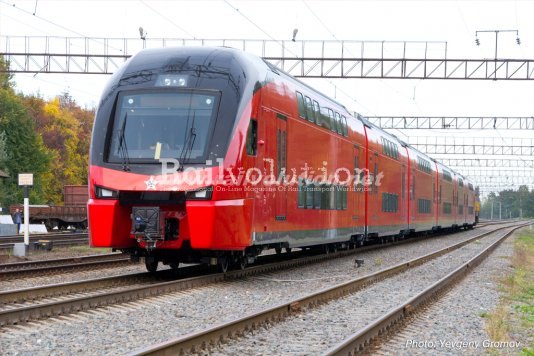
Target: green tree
column 6, row 77
column 65, row 129
column 24, row 147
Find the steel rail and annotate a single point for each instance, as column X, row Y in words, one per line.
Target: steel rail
column 40, row 267
column 35, row 237
column 362, row 339
column 56, row 308
column 67, row 242
column 198, row 341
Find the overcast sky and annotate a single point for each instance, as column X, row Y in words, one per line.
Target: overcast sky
column 453, row 22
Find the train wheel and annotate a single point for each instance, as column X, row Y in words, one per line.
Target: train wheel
column 151, row 264
column 223, row 264
column 288, row 249
column 278, row 250
column 174, row 265
column 243, row 262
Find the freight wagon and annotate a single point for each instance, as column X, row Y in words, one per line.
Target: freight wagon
column 72, row 213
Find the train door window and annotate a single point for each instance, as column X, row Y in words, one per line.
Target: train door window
column 439, row 197
column 344, row 197
column 252, row 137
column 339, row 197
column 338, row 124
column 302, row 108
column 309, row 195
column 375, row 184
column 309, row 109
column 317, row 112
column 403, row 181
column 332, row 120
column 434, row 192
column 345, row 126
column 357, row 181
column 412, row 188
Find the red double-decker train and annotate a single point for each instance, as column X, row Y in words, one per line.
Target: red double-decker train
column 214, row 155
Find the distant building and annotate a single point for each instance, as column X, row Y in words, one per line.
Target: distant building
column 4, row 174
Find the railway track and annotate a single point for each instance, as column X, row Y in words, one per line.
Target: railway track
column 204, row 341
column 45, row 267
column 54, row 300
column 59, row 239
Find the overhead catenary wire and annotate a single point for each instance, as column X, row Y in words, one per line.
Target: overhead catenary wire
column 54, row 23
column 167, row 19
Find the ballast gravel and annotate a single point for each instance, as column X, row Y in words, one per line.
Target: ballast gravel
column 315, row 331
column 127, row 327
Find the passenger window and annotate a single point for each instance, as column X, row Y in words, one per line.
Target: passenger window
column 301, row 194
column 252, row 138
column 302, row 108
column 332, row 120
column 325, row 120
column 338, row 123
column 309, row 109
column 317, row 197
column 345, row 126
column 310, row 188
column 317, row 112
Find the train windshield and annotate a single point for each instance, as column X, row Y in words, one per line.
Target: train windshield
column 149, row 126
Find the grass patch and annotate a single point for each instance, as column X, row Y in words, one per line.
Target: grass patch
column 85, row 248
column 515, row 311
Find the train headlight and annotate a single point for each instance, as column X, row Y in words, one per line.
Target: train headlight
column 104, row 193
column 201, row 194
column 171, row 80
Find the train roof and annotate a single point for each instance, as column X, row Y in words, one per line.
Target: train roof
column 288, row 76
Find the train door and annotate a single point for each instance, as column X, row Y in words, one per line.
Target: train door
column 414, row 214
column 281, row 166
column 263, row 210
column 465, row 208
column 402, row 205
column 358, row 194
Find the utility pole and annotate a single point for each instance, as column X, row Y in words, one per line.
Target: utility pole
column 477, row 41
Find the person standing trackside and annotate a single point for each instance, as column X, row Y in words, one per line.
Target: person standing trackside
column 18, row 220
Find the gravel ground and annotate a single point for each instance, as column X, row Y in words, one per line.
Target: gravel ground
column 455, row 324
column 314, row 332
column 119, row 329
column 56, row 252
column 339, row 269
column 70, row 276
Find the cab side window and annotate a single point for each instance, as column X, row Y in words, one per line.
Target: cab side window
column 252, row 138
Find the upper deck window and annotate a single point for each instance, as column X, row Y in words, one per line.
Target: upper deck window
column 302, row 107
column 424, row 165
column 390, row 148
column 447, row 176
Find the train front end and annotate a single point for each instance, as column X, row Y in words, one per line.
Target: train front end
column 162, row 140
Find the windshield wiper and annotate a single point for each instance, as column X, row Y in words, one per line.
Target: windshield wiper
column 188, row 146
column 123, row 150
